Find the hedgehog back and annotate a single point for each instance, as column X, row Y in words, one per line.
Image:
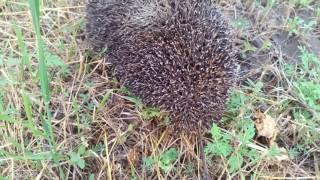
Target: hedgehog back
column 181, row 60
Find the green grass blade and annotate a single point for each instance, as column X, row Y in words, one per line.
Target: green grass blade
column 1, row 104
column 28, row 156
column 43, row 69
column 28, row 110
column 27, row 107
column 23, row 49
column 34, row 6
column 35, row 13
column 105, row 99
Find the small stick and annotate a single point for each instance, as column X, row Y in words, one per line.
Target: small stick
column 202, row 155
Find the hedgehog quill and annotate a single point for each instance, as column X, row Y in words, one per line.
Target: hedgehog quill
column 174, row 55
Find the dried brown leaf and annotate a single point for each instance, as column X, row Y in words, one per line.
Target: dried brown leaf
column 266, row 126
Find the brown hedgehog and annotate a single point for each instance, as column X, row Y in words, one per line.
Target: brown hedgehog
column 175, row 55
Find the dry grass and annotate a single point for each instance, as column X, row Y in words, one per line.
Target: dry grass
column 98, row 134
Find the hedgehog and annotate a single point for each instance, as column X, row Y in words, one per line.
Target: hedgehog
column 175, row 55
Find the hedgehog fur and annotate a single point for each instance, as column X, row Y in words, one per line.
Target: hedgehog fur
column 175, row 55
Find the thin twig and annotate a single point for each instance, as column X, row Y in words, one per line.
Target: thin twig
column 202, row 156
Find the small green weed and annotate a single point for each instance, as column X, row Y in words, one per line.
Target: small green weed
column 133, row 174
column 304, row 79
column 149, row 113
column 146, row 112
column 4, row 178
column 240, row 23
column 298, row 27
column 167, row 158
column 247, row 48
column 301, row 3
column 148, row 163
column 137, row 101
column 76, row 158
column 306, row 84
column 271, row 3
column 164, row 161
column 221, row 146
